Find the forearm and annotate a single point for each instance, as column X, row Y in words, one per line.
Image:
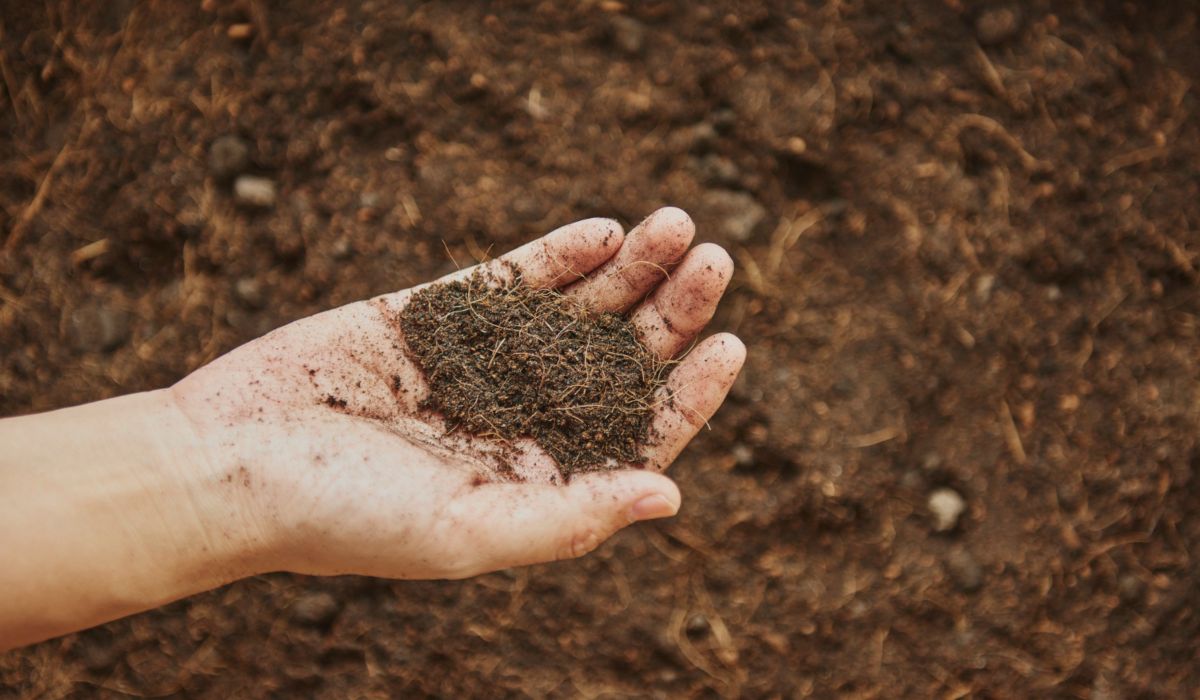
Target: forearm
column 108, row 509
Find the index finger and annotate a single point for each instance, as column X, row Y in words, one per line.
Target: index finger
column 560, row 257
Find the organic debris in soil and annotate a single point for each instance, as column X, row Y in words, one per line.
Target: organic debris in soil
column 508, row 361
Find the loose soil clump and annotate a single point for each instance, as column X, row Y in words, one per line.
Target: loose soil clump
column 508, row 361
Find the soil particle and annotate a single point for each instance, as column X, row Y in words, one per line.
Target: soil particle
column 228, row 156
column 342, row 249
column 965, row 570
column 737, row 216
column 507, row 362
column 716, row 170
column 946, row 506
column 254, row 191
column 743, row 455
column 724, row 119
column 996, row 25
column 250, row 292
column 99, row 327
column 1130, row 588
column 315, row 608
column 628, row 34
column 100, row 656
column 984, row 285
column 697, row 137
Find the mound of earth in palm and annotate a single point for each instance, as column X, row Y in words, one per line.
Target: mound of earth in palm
column 507, row 361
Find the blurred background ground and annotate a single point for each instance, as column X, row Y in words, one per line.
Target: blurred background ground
column 967, row 238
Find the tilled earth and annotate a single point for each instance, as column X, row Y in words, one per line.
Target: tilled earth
column 968, row 249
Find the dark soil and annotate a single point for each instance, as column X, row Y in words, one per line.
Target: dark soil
column 505, row 361
column 967, row 238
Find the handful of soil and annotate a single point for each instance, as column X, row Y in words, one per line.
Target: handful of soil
column 513, row 362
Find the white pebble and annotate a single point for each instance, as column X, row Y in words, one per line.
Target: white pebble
column 946, row 506
column 254, row 191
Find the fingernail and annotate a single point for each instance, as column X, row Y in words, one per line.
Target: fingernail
column 653, row 506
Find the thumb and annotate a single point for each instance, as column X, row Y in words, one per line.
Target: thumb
column 507, row 525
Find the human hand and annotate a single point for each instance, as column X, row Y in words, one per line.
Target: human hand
column 316, row 438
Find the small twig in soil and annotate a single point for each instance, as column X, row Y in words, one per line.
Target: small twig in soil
column 39, row 200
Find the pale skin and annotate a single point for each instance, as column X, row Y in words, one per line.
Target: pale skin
column 245, row 466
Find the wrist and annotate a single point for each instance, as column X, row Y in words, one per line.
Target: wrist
column 209, row 488
column 113, row 507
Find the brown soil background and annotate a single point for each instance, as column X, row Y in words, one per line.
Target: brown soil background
column 980, row 271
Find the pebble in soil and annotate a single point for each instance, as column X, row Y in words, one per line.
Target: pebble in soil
column 506, row 361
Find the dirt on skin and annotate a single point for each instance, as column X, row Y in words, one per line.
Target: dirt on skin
column 508, row 361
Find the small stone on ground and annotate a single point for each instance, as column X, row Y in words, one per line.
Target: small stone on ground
column 946, row 506
column 254, row 191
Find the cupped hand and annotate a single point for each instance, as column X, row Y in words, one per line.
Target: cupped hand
column 317, row 439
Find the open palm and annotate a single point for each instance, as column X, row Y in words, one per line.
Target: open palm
column 318, row 437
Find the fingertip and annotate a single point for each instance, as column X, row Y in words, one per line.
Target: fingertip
column 601, row 233
column 593, row 235
column 725, row 349
column 663, row 486
column 652, row 507
column 672, row 228
column 623, row 487
column 573, row 251
column 731, row 346
column 700, row 383
column 714, row 259
column 704, row 275
column 673, row 217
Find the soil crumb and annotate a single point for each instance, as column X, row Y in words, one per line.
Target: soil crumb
column 509, row 361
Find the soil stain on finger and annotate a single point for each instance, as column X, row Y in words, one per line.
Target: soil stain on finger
column 508, row 361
